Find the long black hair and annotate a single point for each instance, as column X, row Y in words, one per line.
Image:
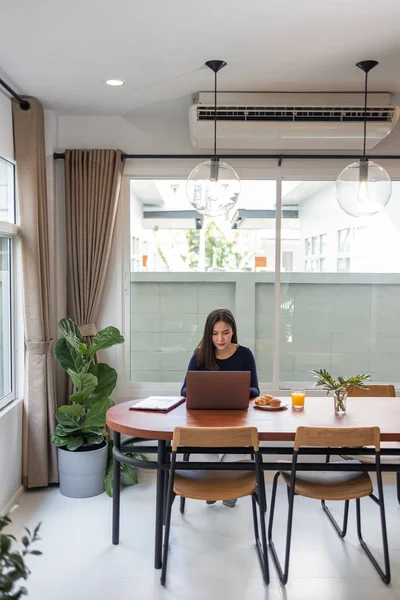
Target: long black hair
column 205, row 351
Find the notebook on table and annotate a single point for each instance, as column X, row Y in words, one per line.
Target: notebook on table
column 158, row 403
column 217, row 390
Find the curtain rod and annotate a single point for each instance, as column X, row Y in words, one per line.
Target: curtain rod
column 24, row 104
column 278, row 157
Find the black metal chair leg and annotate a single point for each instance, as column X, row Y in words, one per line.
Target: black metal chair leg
column 261, row 545
column 384, row 575
column 259, row 498
column 283, row 574
column 383, row 526
column 374, row 498
column 264, row 545
column 170, row 501
column 327, row 460
column 255, row 518
column 183, row 500
column 272, row 505
column 341, row 532
column 262, row 491
column 182, row 505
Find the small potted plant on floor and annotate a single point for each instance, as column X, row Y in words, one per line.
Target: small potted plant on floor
column 129, row 474
column 12, row 562
column 339, row 387
column 80, row 433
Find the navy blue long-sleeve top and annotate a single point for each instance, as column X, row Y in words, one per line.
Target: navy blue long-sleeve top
column 241, row 360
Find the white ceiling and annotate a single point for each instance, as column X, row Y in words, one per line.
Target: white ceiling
column 61, row 52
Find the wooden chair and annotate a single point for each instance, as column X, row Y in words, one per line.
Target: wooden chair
column 380, row 391
column 217, row 485
column 334, row 485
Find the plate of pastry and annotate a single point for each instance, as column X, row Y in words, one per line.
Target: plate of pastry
column 267, row 402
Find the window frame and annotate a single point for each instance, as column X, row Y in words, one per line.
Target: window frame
column 11, row 231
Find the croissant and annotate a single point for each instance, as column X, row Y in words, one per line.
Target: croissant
column 275, row 402
column 264, row 400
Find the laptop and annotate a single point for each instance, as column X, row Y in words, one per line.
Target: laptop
column 217, row 390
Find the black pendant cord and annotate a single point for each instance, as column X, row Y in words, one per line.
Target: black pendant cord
column 24, row 104
column 366, row 66
column 215, row 115
column 365, row 113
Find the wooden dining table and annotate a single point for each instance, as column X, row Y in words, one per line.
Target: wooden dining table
column 273, row 426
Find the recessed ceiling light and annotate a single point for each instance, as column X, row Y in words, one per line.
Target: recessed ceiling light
column 115, row 82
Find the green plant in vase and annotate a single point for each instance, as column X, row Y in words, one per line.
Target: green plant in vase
column 80, row 434
column 12, row 563
column 338, row 387
column 83, row 421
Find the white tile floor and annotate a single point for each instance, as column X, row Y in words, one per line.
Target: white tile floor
column 212, row 554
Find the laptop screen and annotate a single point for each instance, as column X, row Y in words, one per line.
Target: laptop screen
column 217, row 389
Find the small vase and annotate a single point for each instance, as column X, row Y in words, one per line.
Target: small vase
column 339, row 402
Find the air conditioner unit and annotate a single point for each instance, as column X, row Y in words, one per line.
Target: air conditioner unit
column 290, row 121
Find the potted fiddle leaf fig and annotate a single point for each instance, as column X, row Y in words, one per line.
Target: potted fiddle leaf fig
column 12, row 562
column 339, row 387
column 81, row 434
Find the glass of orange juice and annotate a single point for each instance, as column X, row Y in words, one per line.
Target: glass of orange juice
column 298, row 398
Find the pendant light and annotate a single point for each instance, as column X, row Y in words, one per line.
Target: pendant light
column 363, row 188
column 213, row 187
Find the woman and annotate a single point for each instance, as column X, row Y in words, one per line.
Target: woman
column 219, row 350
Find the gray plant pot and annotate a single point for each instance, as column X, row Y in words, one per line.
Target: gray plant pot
column 125, row 482
column 82, row 472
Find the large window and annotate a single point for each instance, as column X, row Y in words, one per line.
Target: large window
column 344, row 316
column 333, row 303
column 8, row 230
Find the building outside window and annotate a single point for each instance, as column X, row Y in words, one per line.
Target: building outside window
column 344, row 241
column 316, row 248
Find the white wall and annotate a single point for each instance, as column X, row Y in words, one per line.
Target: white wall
column 158, row 134
column 10, row 417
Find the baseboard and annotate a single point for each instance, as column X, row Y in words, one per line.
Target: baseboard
column 14, row 500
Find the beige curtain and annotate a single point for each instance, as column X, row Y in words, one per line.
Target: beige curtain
column 39, row 456
column 92, row 186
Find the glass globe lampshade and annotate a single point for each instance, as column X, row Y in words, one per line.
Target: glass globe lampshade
column 363, row 188
column 213, row 188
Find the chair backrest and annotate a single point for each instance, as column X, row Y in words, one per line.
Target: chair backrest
column 380, row 391
column 337, row 436
column 215, row 437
